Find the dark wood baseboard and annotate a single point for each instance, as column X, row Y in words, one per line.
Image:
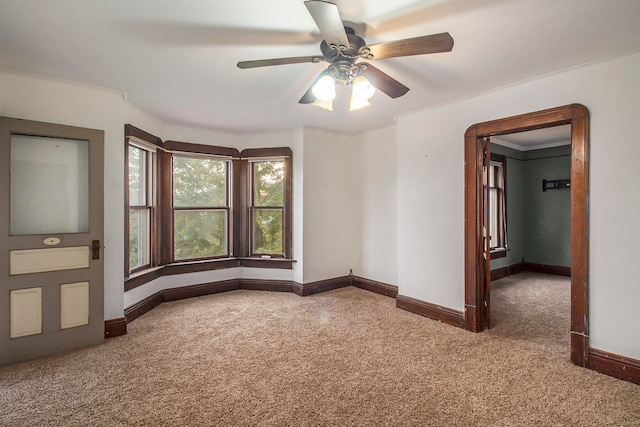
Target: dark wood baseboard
column 131, row 313
column 173, row 294
column 509, row 270
column 115, row 327
column 321, row 286
column 266, row 285
column 432, row 311
column 624, row 368
column 556, row 270
column 374, row 286
column 192, row 291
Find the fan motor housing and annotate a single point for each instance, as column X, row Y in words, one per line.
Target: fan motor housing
column 333, row 53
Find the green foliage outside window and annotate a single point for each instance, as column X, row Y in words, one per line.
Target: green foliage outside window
column 268, row 203
column 200, row 183
column 200, row 234
column 138, row 212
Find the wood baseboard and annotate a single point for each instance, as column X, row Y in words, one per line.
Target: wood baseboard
column 266, row 285
column 115, row 327
column 321, row 286
column 131, row 313
column 509, row 270
column 173, row 294
column 182, row 292
column 624, row 368
column 374, row 286
column 556, row 270
column 432, row 311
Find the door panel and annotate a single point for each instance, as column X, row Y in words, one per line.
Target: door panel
column 27, row 261
column 26, row 312
column 51, row 193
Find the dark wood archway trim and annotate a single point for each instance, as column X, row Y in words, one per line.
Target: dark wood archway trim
column 578, row 116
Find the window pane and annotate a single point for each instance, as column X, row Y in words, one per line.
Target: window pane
column 138, row 238
column 137, row 176
column 199, row 182
column 267, row 231
column 493, row 216
column 200, row 234
column 49, row 185
column 268, row 183
column 492, row 175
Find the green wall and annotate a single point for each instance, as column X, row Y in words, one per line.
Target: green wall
column 538, row 223
column 547, row 215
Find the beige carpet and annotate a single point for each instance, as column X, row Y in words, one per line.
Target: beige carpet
column 346, row 357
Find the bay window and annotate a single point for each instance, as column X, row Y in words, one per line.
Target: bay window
column 195, row 207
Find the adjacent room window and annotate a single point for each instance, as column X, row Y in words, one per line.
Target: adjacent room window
column 201, row 208
column 141, row 201
column 497, row 203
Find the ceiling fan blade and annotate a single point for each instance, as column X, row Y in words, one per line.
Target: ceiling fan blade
column 434, row 43
column 309, row 97
column 327, row 17
column 383, row 81
column 279, row 61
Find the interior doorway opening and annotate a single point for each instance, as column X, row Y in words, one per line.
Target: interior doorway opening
column 529, row 226
column 477, row 264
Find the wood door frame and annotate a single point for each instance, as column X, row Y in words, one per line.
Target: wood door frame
column 578, row 117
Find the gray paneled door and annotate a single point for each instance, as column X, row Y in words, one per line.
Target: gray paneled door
column 51, row 234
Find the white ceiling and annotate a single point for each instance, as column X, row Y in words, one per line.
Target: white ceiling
column 177, row 59
column 536, row 139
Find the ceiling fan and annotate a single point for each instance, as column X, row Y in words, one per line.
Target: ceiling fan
column 344, row 51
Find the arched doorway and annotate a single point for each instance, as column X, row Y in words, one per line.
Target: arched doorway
column 477, row 295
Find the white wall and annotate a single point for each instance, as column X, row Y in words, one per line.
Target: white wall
column 374, row 178
column 329, row 211
column 431, row 191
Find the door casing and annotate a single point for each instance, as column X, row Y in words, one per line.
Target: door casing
column 577, row 116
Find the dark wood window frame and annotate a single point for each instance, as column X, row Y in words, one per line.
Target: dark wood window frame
column 238, row 217
column 143, row 139
column 226, row 207
column 249, row 157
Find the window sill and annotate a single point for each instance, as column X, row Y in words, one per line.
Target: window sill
column 498, row 253
column 146, row 276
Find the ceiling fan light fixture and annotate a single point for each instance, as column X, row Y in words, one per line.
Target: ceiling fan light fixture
column 362, row 88
column 325, row 89
column 357, row 104
column 361, row 92
column 327, row 105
